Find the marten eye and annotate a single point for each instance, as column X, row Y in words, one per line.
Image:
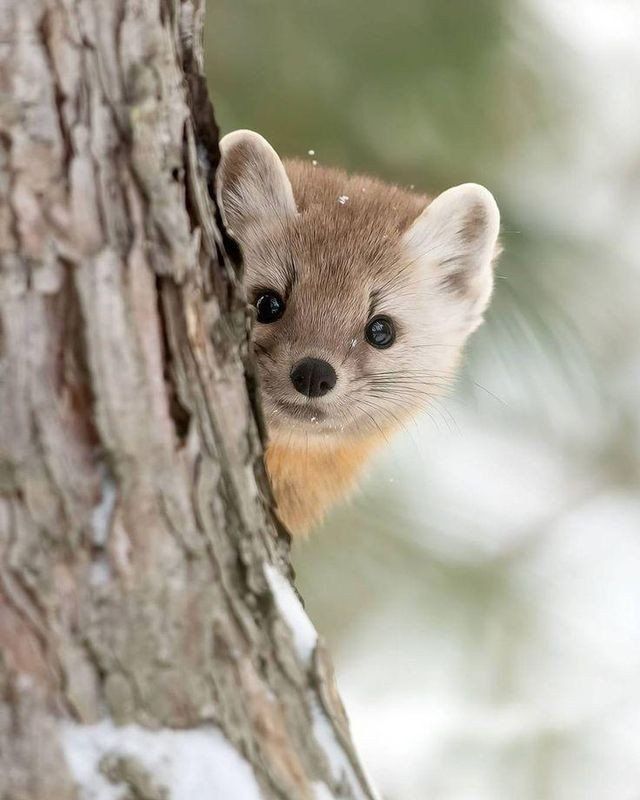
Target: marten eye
column 270, row 307
column 380, row 332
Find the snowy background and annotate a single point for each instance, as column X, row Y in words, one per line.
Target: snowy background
column 482, row 592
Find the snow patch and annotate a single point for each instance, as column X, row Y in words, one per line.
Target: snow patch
column 339, row 763
column 187, row 764
column 321, row 791
column 302, row 631
column 100, row 572
column 101, row 513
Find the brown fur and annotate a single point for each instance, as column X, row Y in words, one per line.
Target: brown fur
column 341, row 249
column 375, row 208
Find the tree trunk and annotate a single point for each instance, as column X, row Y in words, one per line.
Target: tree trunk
column 150, row 646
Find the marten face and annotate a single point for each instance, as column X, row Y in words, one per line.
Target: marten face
column 364, row 293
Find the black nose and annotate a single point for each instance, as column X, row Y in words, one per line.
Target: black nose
column 313, row 377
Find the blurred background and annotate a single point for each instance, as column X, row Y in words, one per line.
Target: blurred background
column 481, row 594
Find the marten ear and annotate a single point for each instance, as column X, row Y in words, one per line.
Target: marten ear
column 457, row 237
column 251, row 182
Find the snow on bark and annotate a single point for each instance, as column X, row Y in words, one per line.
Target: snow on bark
column 302, row 631
column 183, row 765
column 341, row 767
column 321, row 792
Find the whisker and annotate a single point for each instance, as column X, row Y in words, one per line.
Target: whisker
column 490, row 393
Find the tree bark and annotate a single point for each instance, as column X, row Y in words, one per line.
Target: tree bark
column 150, row 645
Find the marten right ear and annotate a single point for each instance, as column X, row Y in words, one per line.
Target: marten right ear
column 456, row 237
column 251, row 182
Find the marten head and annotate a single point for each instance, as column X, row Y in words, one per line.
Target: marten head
column 364, row 293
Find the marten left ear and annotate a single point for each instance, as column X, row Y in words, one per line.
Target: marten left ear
column 251, row 182
column 457, row 237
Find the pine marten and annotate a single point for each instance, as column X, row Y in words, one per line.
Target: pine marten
column 364, row 295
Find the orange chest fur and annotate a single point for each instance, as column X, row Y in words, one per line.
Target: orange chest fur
column 307, row 481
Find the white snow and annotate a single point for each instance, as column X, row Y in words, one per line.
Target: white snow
column 101, row 516
column 100, row 572
column 338, row 761
column 189, row 764
column 101, row 513
column 302, row 631
column 321, row 791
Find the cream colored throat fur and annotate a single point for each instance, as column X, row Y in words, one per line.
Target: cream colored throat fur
column 336, row 253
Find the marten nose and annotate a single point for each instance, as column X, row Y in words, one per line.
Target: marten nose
column 313, row 377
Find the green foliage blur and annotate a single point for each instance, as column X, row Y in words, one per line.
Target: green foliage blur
column 424, row 93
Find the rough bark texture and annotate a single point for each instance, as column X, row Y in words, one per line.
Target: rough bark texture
column 134, row 511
